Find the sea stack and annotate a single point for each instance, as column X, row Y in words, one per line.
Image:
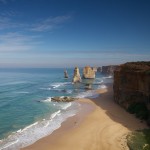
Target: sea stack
column 76, row 76
column 88, row 73
column 65, row 74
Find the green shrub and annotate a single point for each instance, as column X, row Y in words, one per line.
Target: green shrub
column 139, row 140
column 139, row 109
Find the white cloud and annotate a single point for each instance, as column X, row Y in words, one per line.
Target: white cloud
column 49, row 23
column 8, row 23
column 9, row 13
column 14, row 41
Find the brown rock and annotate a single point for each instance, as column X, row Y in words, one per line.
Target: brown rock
column 88, row 73
column 99, row 69
column 94, row 69
column 76, row 76
column 62, row 99
column 108, row 69
column 65, row 74
column 88, row 86
column 132, row 84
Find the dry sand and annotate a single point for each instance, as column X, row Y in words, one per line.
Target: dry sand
column 101, row 124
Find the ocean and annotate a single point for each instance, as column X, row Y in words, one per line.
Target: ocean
column 26, row 110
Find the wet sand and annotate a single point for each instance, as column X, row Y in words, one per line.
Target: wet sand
column 100, row 124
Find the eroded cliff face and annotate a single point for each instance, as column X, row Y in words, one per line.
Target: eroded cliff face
column 88, row 73
column 108, row 69
column 132, row 84
column 76, row 76
column 99, row 69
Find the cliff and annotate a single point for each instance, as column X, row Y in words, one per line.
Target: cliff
column 99, row 69
column 88, row 73
column 108, row 69
column 132, row 84
column 76, row 76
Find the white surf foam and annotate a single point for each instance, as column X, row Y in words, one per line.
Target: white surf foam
column 47, row 100
column 88, row 94
column 109, row 77
column 29, row 126
column 37, row 130
column 56, row 85
column 66, row 106
column 69, row 91
column 21, row 92
column 9, row 144
column 15, row 83
column 45, row 88
column 98, row 82
column 102, row 86
column 47, row 124
column 55, row 114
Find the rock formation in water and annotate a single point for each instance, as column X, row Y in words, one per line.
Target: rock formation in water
column 65, row 74
column 99, row 69
column 88, row 86
column 108, row 69
column 132, row 85
column 94, row 69
column 76, row 76
column 62, row 99
column 88, row 73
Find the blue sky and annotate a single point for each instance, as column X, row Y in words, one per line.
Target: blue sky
column 68, row 33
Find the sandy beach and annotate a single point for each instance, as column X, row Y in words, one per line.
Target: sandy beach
column 101, row 124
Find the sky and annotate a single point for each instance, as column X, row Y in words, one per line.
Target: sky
column 68, row 33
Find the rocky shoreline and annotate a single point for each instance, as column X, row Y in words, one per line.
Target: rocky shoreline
column 63, row 99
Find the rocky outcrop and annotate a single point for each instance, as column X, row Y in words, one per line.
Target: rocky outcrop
column 132, row 84
column 62, row 99
column 88, row 73
column 94, row 69
column 65, row 74
column 99, row 69
column 76, row 76
column 88, row 86
column 108, row 69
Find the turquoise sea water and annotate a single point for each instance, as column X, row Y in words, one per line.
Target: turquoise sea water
column 26, row 111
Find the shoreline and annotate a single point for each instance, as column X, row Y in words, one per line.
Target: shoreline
column 100, row 124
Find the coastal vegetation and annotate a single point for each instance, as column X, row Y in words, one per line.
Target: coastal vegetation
column 132, row 88
column 140, row 110
column 132, row 91
column 139, row 140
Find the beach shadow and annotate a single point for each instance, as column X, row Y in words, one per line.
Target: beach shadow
column 115, row 112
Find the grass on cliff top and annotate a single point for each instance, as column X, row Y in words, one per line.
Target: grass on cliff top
column 139, row 140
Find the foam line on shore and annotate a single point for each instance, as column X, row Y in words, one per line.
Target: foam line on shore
column 38, row 130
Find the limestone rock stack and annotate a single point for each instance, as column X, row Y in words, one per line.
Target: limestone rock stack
column 88, row 73
column 76, row 76
column 65, row 74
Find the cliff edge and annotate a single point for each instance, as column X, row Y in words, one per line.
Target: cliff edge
column 132, row 84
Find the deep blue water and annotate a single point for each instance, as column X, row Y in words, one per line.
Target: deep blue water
column 25, row 105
